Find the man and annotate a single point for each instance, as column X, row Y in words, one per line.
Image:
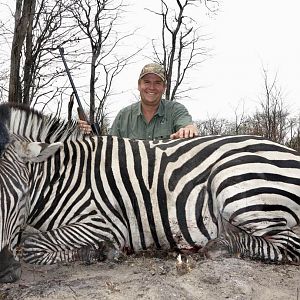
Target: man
column 152, row 118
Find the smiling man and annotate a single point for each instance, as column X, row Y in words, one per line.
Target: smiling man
column 153, row 118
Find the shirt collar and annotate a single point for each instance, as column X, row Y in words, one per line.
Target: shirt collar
column 139, row 109
column 161, row 109
column 160, row 112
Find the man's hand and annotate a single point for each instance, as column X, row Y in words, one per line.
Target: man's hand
column 185, row 132
column 84, row 127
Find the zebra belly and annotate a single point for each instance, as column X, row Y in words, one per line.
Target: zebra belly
column 183, row 222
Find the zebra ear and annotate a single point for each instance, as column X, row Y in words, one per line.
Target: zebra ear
column 36, row 151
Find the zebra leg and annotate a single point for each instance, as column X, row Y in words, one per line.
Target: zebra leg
column 220, row 246
column 66, row 245
column 276, row 245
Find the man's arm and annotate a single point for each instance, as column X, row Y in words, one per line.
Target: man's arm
column 182, row 122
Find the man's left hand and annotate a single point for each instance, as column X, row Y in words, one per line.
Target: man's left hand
column 185, row 132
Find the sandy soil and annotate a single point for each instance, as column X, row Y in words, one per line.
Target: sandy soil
column 157, row 277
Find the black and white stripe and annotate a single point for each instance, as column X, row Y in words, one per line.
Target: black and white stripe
column 133, row 195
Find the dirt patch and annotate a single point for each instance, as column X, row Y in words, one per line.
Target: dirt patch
column 157, row 278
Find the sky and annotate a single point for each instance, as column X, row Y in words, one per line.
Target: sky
column 246, row 36
column 250, row 35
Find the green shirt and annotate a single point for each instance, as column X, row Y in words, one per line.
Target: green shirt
column 169, row 118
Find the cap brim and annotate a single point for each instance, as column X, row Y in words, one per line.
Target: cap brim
column 161, row 77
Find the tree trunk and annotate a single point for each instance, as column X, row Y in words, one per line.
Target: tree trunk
column 23, row 10
column 28, row 57
column 92, row 87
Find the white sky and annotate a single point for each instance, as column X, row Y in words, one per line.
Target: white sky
column 246, row 35
column 249, row 34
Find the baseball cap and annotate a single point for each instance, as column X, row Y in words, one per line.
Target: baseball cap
column 153, row 69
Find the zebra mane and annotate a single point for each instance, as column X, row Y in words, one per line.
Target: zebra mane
column 32, row 125
column 4, row 134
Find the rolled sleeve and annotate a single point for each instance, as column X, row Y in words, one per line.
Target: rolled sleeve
column 180, row 116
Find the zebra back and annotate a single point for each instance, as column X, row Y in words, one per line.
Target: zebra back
column 29, row 124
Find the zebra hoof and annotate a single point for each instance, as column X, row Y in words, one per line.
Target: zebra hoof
column 103, row 251
column 215, row 249
column 10, row 268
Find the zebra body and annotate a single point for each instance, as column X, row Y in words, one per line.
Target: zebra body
column 128, row 194
column 240, row 191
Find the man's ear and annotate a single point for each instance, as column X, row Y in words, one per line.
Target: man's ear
column 36, row 151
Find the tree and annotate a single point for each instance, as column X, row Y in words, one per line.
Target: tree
column 181, row 46
column 271, row 120
column 4, row 70
column 23, row 25
column 98, row 22
column 213, row 126
column 38, row 31
column 294, row 133
column 212, row 5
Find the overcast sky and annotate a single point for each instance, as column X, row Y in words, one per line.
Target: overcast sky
column 250, row 34
column 246, row 35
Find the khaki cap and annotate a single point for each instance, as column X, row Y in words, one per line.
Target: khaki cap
column 153, row 69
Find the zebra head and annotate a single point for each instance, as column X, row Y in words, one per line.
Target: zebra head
column 15, row 157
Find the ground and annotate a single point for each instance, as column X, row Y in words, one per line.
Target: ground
column 157, row 277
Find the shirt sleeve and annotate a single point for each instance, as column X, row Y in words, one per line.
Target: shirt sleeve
column 180, row 116
column 115, row 128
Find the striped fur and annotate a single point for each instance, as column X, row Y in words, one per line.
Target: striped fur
column 174, row 194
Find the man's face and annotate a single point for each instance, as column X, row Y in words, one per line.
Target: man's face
column 151, row 89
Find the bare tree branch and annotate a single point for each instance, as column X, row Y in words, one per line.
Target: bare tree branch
column 98, row 22
column 179, row 49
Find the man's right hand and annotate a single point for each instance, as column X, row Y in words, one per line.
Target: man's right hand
column 84, row 126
